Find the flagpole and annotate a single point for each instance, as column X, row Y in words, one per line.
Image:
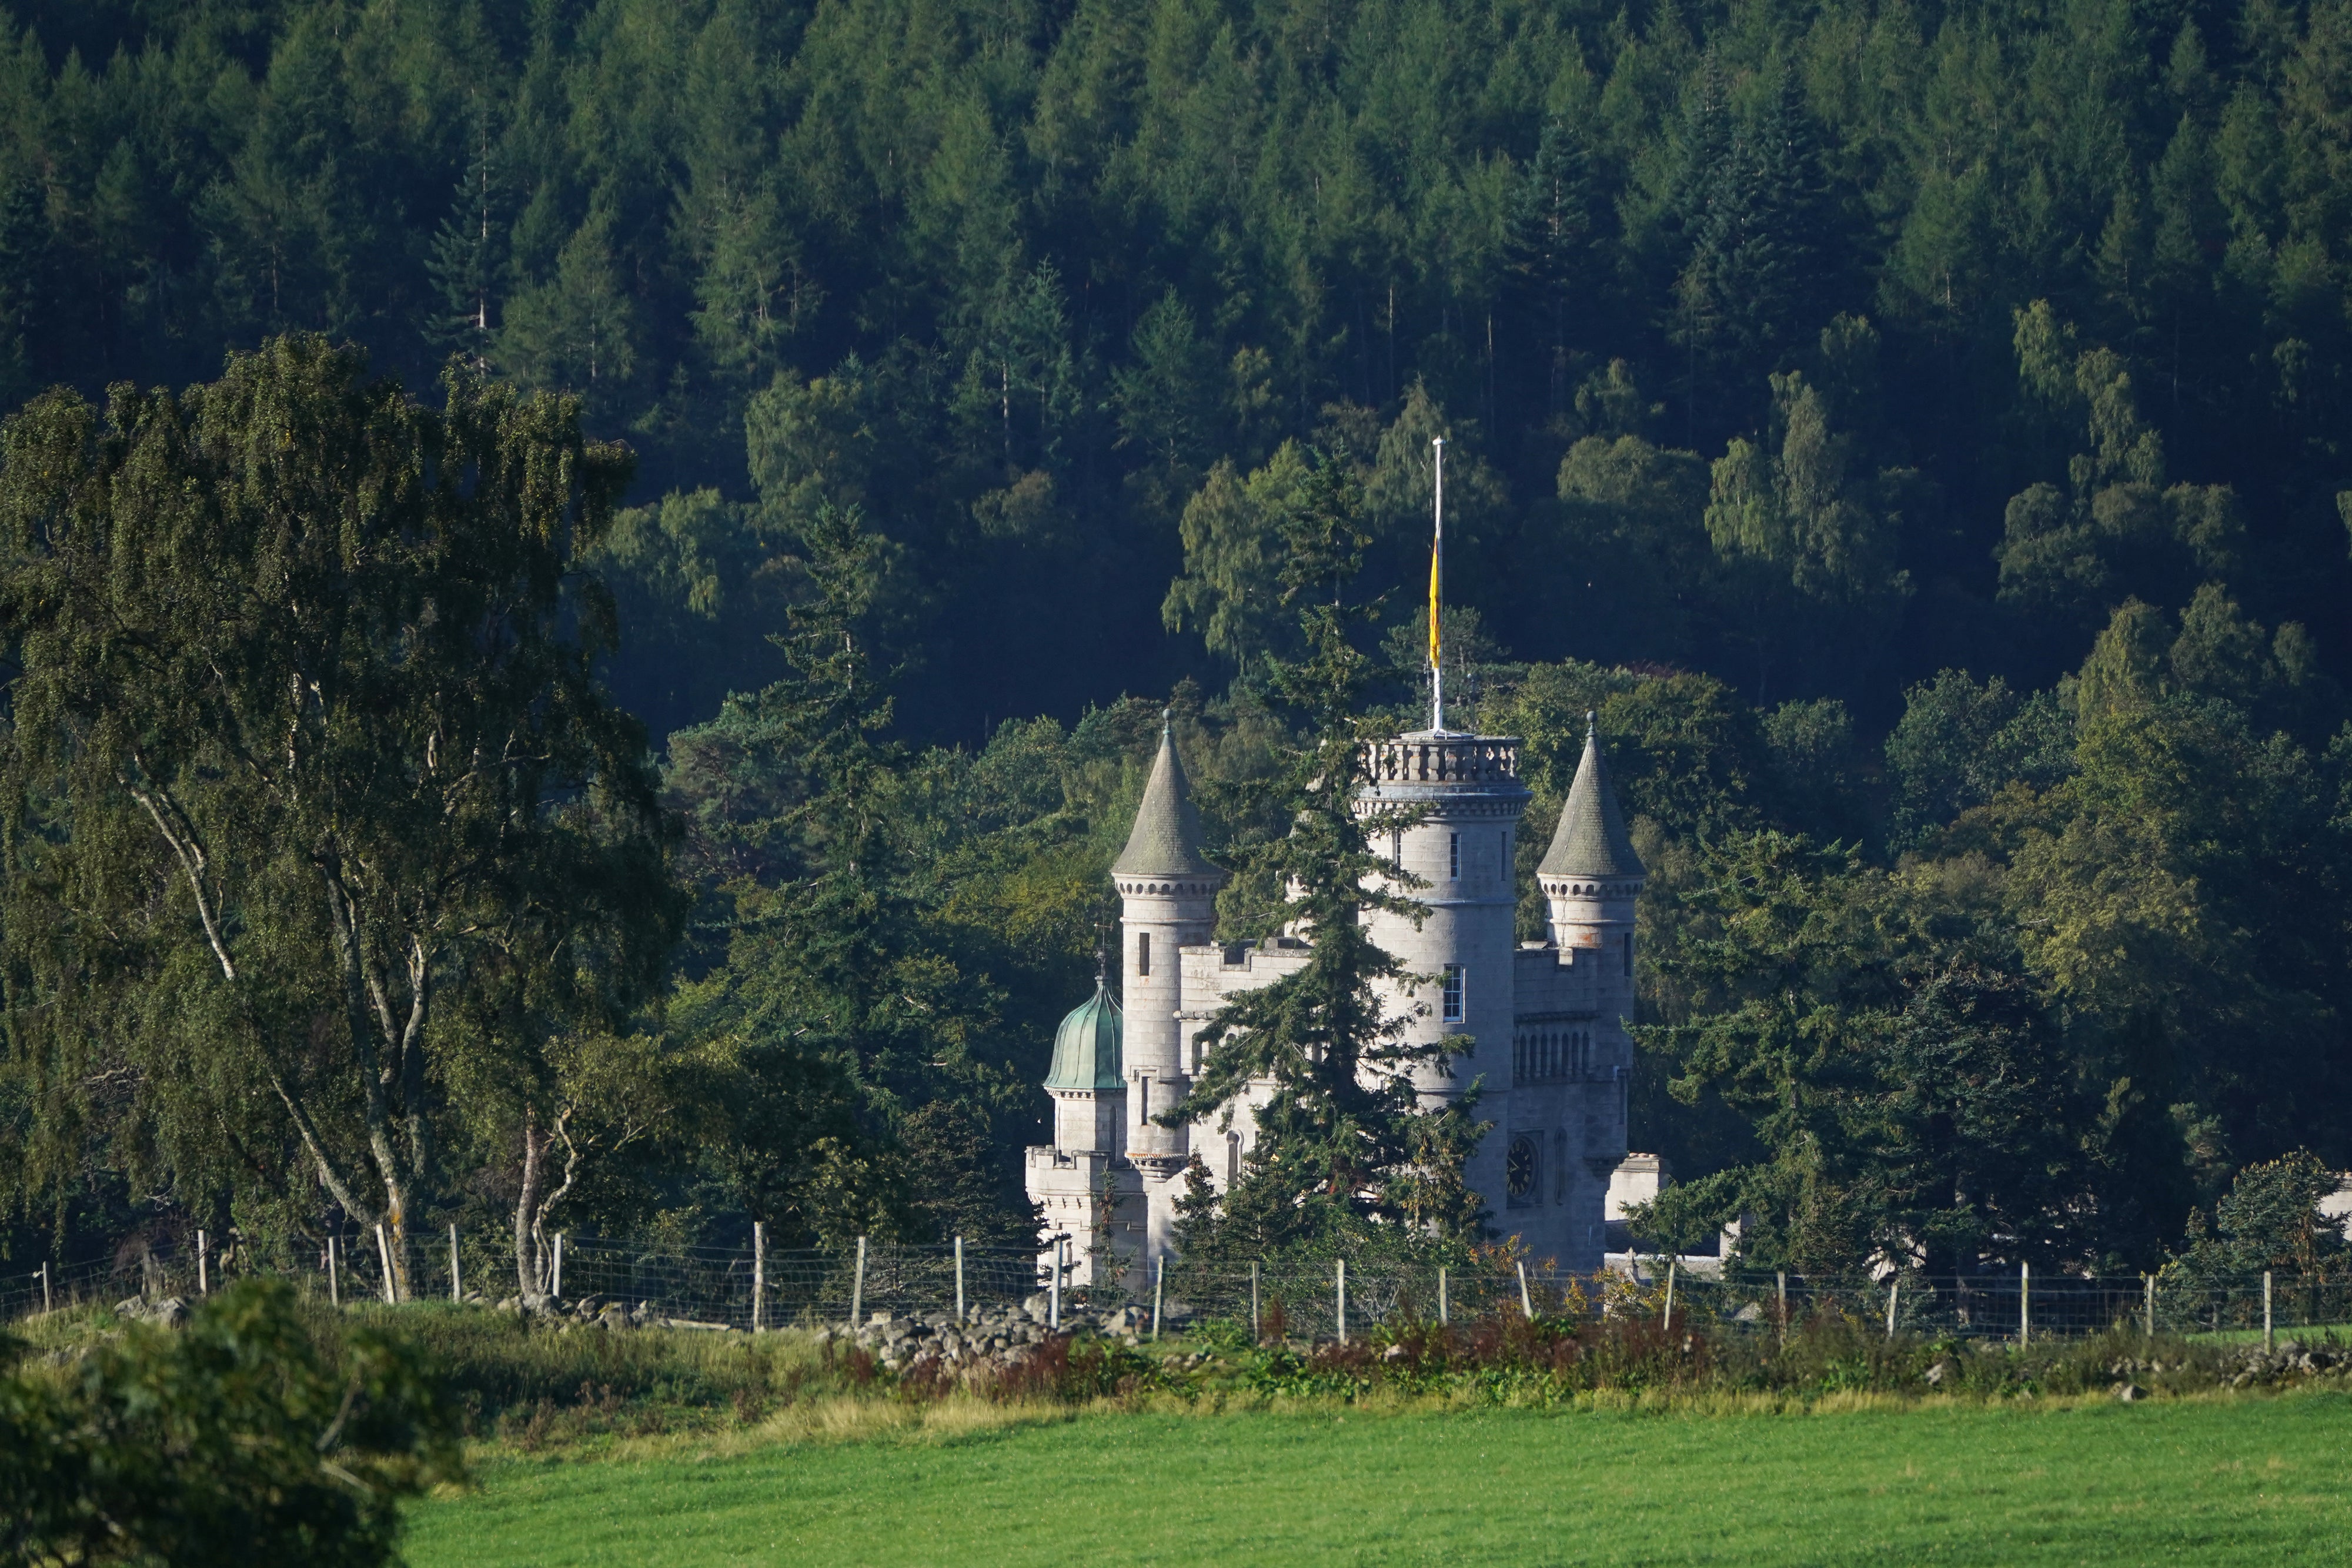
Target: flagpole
column 1436, row 585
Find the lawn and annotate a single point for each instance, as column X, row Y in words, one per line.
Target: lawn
column 2220, row 1480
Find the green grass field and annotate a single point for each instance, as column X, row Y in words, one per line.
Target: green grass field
column 2246, row 1481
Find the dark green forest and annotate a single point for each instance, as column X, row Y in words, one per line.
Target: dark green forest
column 1918, row 430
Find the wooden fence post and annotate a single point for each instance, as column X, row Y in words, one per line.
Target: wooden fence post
column 384, row 1256
column 858, row 1288
column 1893, row 1286
column 759, row 1276
column 959, row 1314
column 1342, row 1314
column 334, row 1281
column 1672, row 1264
column 204, row 1268
column 1159, row 1288
column 457, row 1281
column 46, row 1307
column 556, row 1284
column 2151, row 1304
column 1782, row 1276
column 1527, row 1303
column 1053, row 1299
column 2268, row 1344
column 1441, row 1296
column 2025, row 1304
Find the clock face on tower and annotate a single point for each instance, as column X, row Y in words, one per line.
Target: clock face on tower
column 1519, row 1171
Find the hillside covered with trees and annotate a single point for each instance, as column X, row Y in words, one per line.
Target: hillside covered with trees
column 1918, row 430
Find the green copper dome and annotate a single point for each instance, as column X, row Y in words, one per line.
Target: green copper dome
column 1086, row 1048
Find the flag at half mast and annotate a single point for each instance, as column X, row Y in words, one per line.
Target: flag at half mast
column 1436, row 583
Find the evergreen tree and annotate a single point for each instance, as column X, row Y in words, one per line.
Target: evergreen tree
column 468, row 258
column 1341, row 1141
column 23, row 284
column 1552, row 250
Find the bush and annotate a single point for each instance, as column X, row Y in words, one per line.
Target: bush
column 240, row 1438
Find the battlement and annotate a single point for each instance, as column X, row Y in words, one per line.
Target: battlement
column 1429, row 757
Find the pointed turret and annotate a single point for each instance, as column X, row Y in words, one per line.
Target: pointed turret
column 1590, row 875
column 1592, row 840
column 1168, row 902
column 1166, row 839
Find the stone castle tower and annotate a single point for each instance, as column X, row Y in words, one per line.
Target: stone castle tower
column 1542, row 1024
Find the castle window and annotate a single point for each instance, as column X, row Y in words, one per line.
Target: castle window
column 1454, row 855
column 1522, row 1178
column 1142, row 1101
column 1232, row 1160
column 1629, row 953
column 1452, row 1012
column 1142, row 953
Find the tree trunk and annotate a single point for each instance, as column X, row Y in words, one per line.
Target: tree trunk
column 390, row 1059
column 534, row 1259
column 530, row 1269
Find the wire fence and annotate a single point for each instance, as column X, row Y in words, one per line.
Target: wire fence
column 753, row 1287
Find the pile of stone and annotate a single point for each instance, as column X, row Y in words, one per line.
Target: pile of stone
column 989, row 1337
column 2291, row 1360
column 602, row 1313
column 2245, row 1368
column 169, row 1313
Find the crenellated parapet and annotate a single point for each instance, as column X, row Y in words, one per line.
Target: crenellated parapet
column 1448, row 759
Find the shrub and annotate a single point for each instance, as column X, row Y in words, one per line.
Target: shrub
column 240, row 1438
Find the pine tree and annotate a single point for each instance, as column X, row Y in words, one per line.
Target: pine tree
column 1761, row 277
column 24, row 284
column 1342, row 1141
column 468, row 251
column 1550, row 251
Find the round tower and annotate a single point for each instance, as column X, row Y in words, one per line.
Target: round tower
column 1168, row 902
column 1085, row 1192
column 1466, row 790
column 1088, row 1086
column 1591, row 878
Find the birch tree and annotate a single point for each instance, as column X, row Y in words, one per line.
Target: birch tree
column 310, row 783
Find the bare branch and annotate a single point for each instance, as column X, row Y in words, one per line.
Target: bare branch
column 327, row 1172
column 190, row 853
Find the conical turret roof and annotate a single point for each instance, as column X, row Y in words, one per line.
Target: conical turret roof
column 1087, row 1046
column 1166, row 841
column 1592, row 839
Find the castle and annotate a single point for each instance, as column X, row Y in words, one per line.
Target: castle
column 1547, row 1019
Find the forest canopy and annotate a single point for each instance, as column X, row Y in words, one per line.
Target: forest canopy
column 1916, row 429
